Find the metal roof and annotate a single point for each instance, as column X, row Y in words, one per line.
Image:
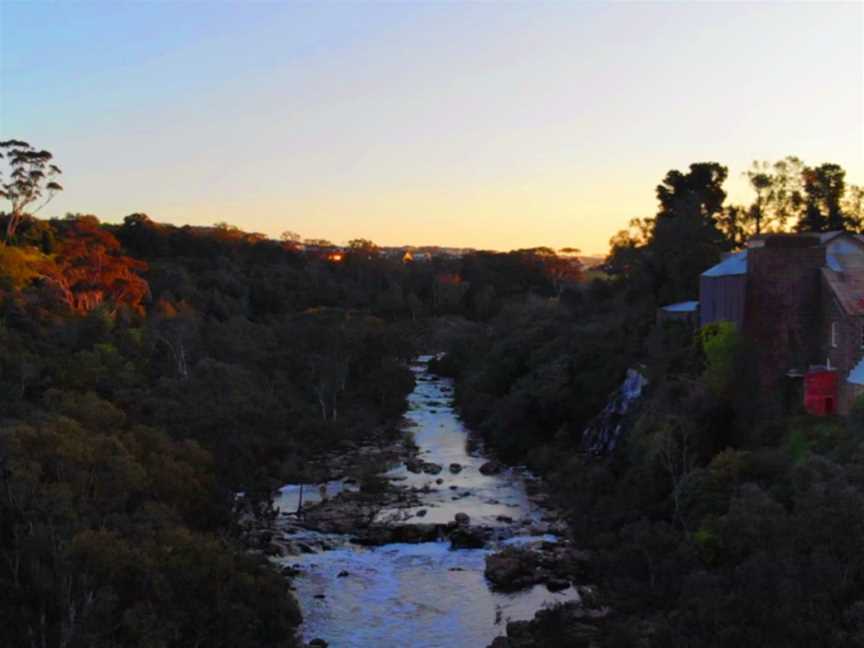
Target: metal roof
column 856, row 376
column 734, row 264
column 682, row 307
column 833, row 262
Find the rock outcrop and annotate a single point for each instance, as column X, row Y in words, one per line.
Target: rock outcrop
column 516, row 568
column 573, row 624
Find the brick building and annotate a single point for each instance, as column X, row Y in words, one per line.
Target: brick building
column 799, row 299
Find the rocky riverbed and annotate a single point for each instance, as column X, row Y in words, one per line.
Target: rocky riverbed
column 445, row 548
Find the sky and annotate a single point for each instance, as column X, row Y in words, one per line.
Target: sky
column 488, row 125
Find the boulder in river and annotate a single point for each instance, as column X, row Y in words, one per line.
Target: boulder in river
column 455, row 468
column 381, row 534
column 414, row 465
column 557, row 584
column 491, row 468
column 418, row 466
column 274, row 549
column 467, row 538
column 290, row 571
column 513, row 569
column 567, row 622
column 519, row 630
column 431, row 468
column 462, row 519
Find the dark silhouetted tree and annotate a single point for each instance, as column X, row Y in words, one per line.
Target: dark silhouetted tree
column 824, row 187
column 30, row 178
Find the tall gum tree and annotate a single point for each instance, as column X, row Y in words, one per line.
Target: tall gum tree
column 30, row 178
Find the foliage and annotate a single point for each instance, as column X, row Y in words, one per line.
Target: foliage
column 30, row 177
column 148, row 372
column 721, row 344
column 710, row 526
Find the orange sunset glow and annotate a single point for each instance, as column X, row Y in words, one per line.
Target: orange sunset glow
column 466, row 125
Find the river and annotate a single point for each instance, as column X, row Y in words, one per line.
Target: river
column 424, row 595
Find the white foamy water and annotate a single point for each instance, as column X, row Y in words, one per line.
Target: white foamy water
column 422, row 595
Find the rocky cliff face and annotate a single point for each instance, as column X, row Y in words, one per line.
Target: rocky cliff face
column 603, row 433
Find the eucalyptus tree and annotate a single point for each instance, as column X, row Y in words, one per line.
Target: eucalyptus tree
column 30, row 179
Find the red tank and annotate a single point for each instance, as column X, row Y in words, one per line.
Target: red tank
column 820, row 392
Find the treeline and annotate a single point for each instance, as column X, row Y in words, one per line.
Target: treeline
column 710, row 524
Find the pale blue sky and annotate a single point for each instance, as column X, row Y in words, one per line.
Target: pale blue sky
column 490, row 125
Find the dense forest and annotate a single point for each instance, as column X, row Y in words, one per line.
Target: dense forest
column 151, row 373
column 710, row 523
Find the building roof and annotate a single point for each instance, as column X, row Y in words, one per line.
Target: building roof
column 848, row 289
column 843, row 253
column 824, row 237
column 682, row 307
column 833, row 262
column 734, row 264
column 856, row 376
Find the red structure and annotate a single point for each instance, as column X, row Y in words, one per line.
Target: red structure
column 820, row 392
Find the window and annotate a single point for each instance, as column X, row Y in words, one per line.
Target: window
column 835, row 334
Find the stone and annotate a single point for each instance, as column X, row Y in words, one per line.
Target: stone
column 467, row 538
column 414, row 465
column 518, row 629
column 557, row 584
column 274, row 550
column 455, row 468
column 491, row 468
column 505, row 518
column 414, row 533
column 421, row 513
column 318, row 643
column 513, row 569
column 462, row 519
column 431, row 468
column 343, row 574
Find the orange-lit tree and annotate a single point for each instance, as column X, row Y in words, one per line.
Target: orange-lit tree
column 90, row 269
